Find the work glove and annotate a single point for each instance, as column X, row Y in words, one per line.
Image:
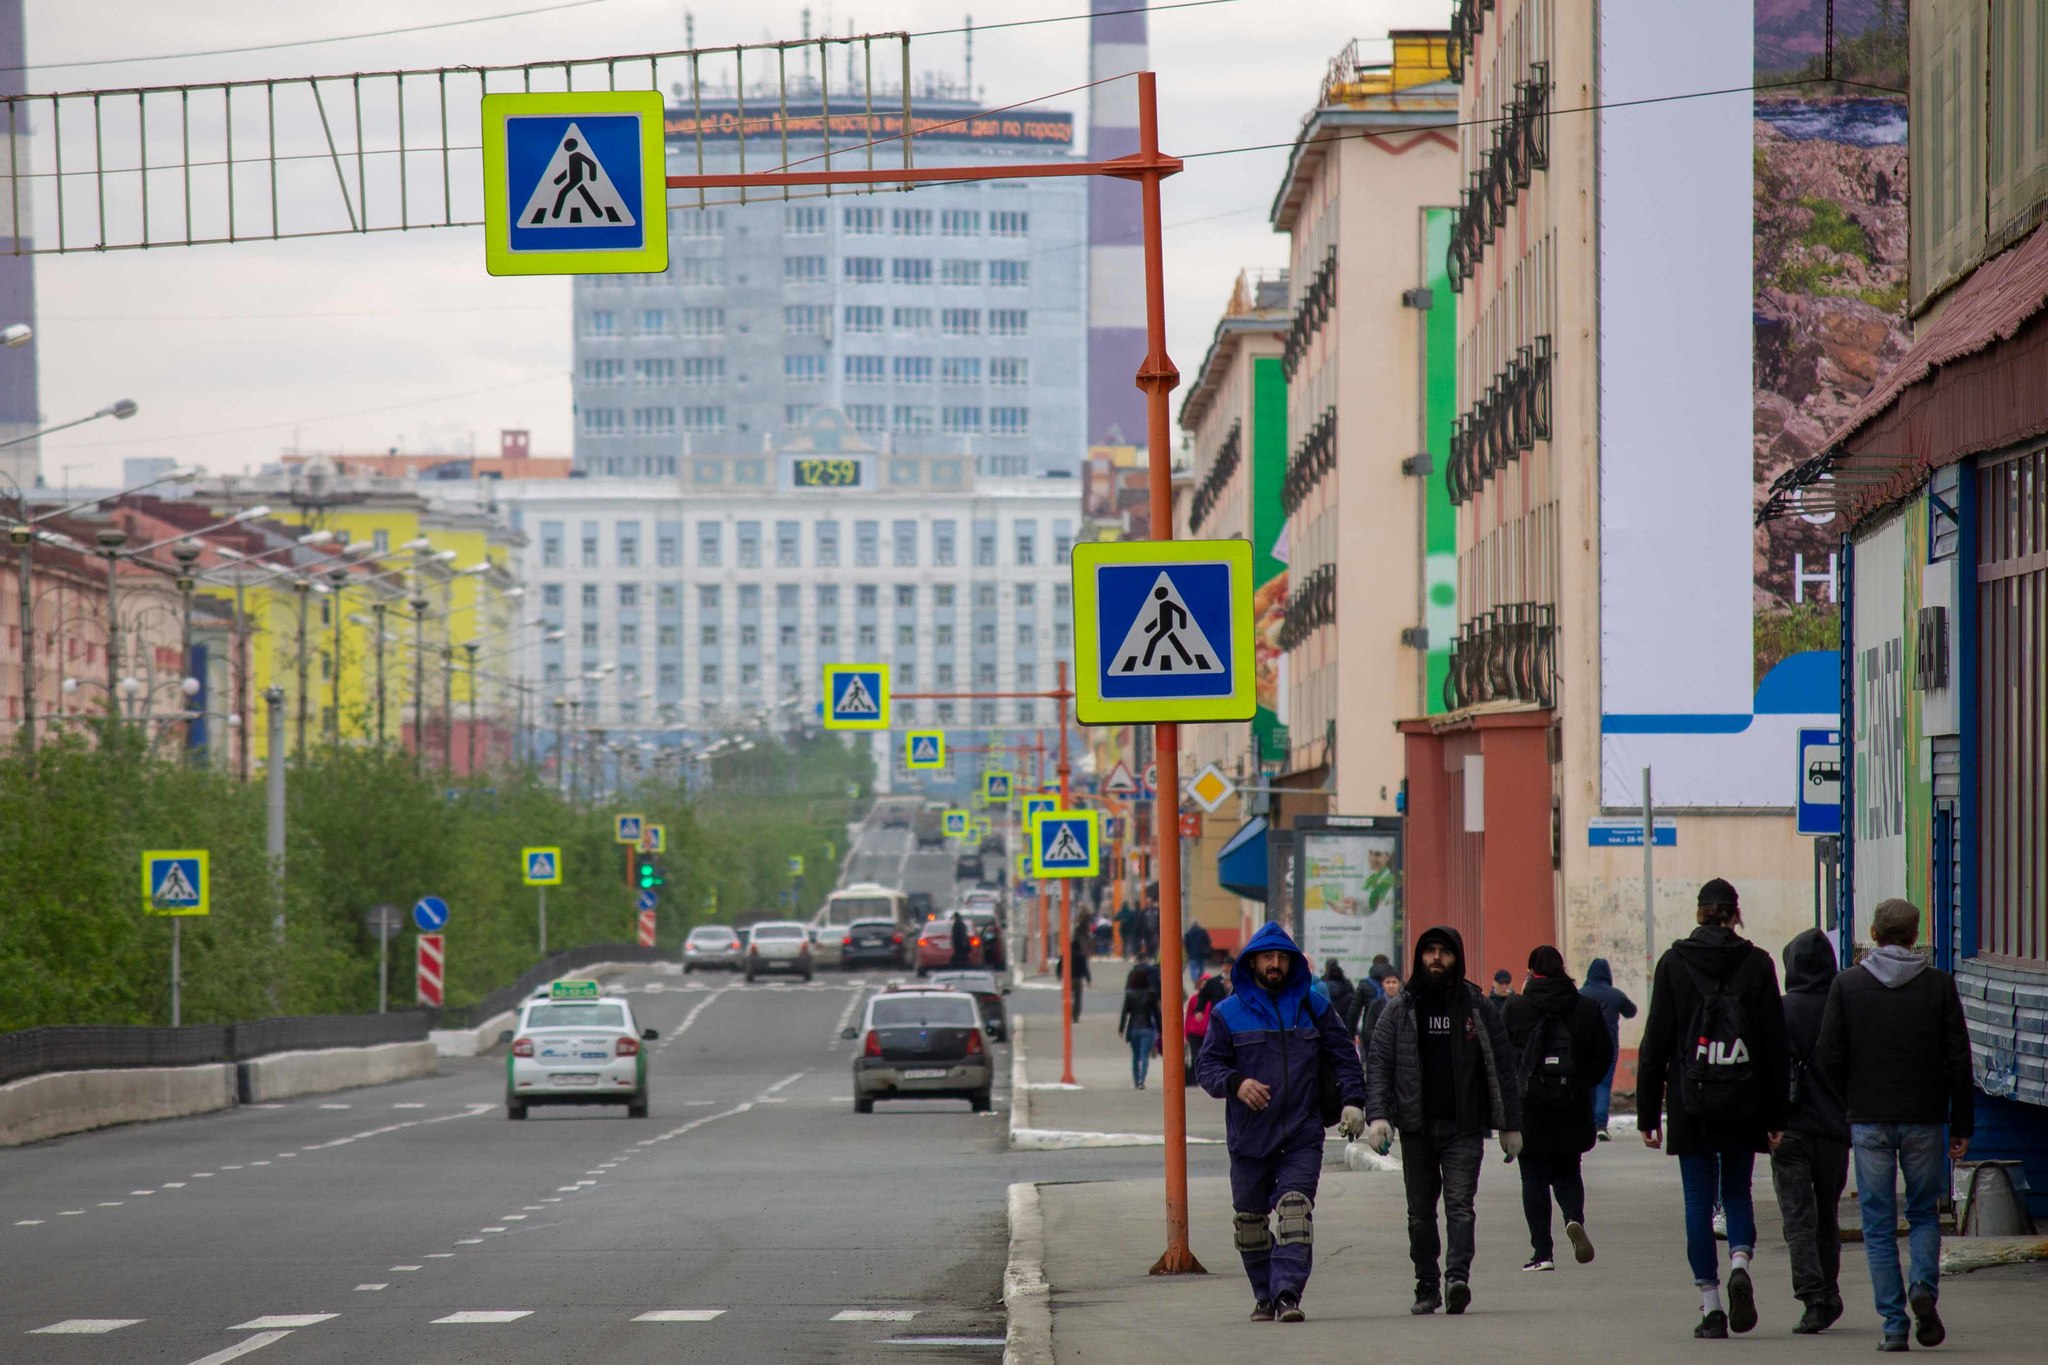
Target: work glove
column 1510, row 1144
column 1353, row 1122
column 1379, row 1135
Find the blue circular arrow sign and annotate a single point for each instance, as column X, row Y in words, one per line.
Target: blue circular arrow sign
column 648, row 900
column 430, row 913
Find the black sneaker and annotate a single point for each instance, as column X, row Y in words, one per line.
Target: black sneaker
column 1457, row 1297
column 1927, row 1328
column 1833, row 1309
column 1741, row 1301
column 1713, row 1327
column 1262, row 1311
column 1288, row 1307
column 1538, row 1263
column 1582, row 1245
column 1813, row 1321
column 1427, row 1301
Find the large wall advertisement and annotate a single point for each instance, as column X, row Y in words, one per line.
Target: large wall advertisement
column 1751, row 259
column 1439, row 414
column 1269, row 569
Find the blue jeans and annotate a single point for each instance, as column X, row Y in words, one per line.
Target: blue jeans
column 1882, row 1151
column 1604, row 1091
column 1256, row 1184
column 1707, row 1177
column 1141, row 1052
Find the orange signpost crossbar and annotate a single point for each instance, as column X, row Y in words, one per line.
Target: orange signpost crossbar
column 1158, row 378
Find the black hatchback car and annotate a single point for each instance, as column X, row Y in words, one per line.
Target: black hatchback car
column 987, row 992
column 873, row 940
column 921, row 1044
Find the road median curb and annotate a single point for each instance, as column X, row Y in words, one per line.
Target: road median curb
column 1026, row 1296
column 58, row 1103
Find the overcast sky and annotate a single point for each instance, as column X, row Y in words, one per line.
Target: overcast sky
column 400, row 339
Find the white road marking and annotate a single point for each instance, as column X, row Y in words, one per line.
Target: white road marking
column 112, row 1203
column 469, row 1241
column 84, row 1327
column 202, row 1175
column 512, row 1218
column 404, row 1267
column 242, row 1348
column 70, row 1213
column 490, row 1229
column 253, row 1163
column 874, row 1315
column 793, row 1076
column 270, row 1321
column 487, row 1315
column 231, row 1168
column 337, row 1106
column 408, row 1106
column 681, row 1315
column 174, row 1184
column 364, row 1288
column 142, row 1191
column 26, row 1222
column 440, row 1255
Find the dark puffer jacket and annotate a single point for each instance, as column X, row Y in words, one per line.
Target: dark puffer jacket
column 1815, row 1105
column 1557, row 1132
column 1748, row 973
column 1393, row 1088
column 1280, row 1040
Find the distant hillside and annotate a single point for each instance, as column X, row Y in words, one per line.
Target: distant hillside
column 1791, row 33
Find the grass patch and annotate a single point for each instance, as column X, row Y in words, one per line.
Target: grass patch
column 1833, row 230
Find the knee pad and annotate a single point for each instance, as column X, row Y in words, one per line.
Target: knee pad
column 1251, row 1232
column 1297, row 1219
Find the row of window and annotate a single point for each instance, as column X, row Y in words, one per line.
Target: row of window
column 788, row 597
column 812, row 319
column 656, row 372
column 711, row 683
column 865, row 636
column 788, row 544
column 905, row 419
column 653, row 421
column 865, row 221
column 911, row 270
column 1008, row 371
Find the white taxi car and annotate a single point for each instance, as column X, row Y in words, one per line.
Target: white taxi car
column 573, row 1044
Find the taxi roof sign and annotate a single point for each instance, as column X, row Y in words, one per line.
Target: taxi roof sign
column 573, row 990
column 1163, row 631
column 575, row 183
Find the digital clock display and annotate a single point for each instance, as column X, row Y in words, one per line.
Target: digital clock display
column 841, row 472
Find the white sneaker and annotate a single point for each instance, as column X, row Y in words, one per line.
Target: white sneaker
column 1720, row 1225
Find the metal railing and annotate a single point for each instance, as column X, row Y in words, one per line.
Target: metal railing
column 1521, row 147
column 1507, row 654
column 1505, row 423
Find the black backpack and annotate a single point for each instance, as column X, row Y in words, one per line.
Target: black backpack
column 1717, row 1077
column 1550, row 1080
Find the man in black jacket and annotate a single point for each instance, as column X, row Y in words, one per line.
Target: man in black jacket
column 963, row 953
column 1715, row 1042
column 1560, row 1046
column 1893, row 1041
column 1810, row 1160
column 1439, row 1069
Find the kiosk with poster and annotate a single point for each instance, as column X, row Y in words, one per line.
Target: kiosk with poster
column 1347, row 889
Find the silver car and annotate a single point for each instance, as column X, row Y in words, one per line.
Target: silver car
column 779, row 946
column 921, row 1044
column 712, row 947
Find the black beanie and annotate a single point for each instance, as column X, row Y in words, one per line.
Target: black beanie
column 1546, row 961
column 1718, row 892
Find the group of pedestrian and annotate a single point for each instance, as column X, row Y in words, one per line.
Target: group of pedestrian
column 1137, row 928
column 1872, row 1062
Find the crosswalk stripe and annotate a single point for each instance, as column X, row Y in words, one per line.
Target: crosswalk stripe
column 84, row 1327
column 476, row 1316
column 243, row 1347
column 680, row 1315
column 285, row 1320
column 874, row 1315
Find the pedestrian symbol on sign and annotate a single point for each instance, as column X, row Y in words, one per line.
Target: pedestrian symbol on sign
column 855, row 699
column 1165, row 639
column 1067, row 843
column 572, row 185
column 1065, row 848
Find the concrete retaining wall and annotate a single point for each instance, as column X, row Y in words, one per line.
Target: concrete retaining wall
column 281, row 1075
column 60, row 1102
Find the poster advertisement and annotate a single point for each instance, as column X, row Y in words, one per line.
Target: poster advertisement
column 1347, row 888
column 1269, row 555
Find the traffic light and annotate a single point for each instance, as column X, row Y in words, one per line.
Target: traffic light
column 651, row 875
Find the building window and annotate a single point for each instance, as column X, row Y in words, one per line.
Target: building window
column 704, row 421
column 906, row 597
column 961, row 369
column 960, row 223
column 1062, row 593
column 864, row 597
column 906, row 544
column 551, row 596
column 629, row 635
column 1009, row 223
column 785, row 635
column 590, row 635
column 804, row 221
column 707, row 599
column 864, row 638
column 864, row 369
column 960, row 322
column 942, row 544
column 944, row 711
column 1009, row 322
column 867, row 418
column 867, row 546
column 590, row 549
column 707, row 677
column 984, row 675
column 1009, row 372
column 750, row 636
column 803, row 270
column 1009, row 421
column 864, row 319
column 911, row 321
column 863, row 269
column 1009, row 274
column 600, row 323
column 699, row 369
column 551, row 550
column 912, row 369
column 906, row 637
column 668, row 597
column 960, row 274
column 709, row 553
column 863, row 222
column 960, row 421
column 707, row 635
column 942, row 596
column 910, row 420
column 668, row 637
column 700, row 322
column 910, row 222
column 803, row 369
column 828, row 635
column 604, row 374
column 654, row 421
column 648, row 374
column 795, row 415
column 828, row 546
column 651, row 322
column 805, row 319
column 708, row 273
column 1027, row 712
column 1027, row 543
column 911, row 270
column 669, row 677
column 629, row 547
column 1027, row 635
column 604, row 421
column 942, row 674
column 688, row 222
column 787, row 534
column 588, row 597
column 985, row 596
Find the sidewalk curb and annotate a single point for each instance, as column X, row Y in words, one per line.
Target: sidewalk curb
column 1027, row 1299
column 1020, row 1089
column 1961, row 1255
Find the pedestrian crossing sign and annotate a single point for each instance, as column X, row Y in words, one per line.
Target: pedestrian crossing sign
column 575, row 184
column 174, row 882
column 1024, row 873
column 1163, row 631
column 543, row 866
column 856, row 696
column 626, row 829
column 924, row 749
column 796, row 864
column 1035, row 806
column 995, row 788
column 1067, row 843
column 956, row 824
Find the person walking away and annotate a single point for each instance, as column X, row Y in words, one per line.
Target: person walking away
column 1268, row 1046
column 1104, row 934
column 1560, row 1043
column 963, row 943
column 1614, row 1006
column 1714, row 1042
column 1138, row 1022
column 1196, row 941
column 1343, row 994
column 1810, row 1161
column 1893, row 1042
column 1439, row 1069
column 1148, row 930
column 1078, row 946
column 1195, row 1023
column 1127, row 929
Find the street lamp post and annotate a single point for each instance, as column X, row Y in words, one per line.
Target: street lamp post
column 561, row 705
column 470, row 649
column 447, row 708
column 186, row 555
column 111, row 540
column 304, row 589
column 377, row 611
column 419, row 680
column 336, row 577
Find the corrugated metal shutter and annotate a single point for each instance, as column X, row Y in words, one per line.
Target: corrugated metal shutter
column 2012, row 640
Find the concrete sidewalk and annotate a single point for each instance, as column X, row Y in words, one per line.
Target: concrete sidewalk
column 1103, row 1101
column 1634, row 1301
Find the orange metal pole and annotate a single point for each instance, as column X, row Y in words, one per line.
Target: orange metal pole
column 1067, row 986
column 1158, row 378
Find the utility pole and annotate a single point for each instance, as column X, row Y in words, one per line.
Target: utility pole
column 447, row 709
column 304, row 590
column 470, row 649
column 186, row 555
column 419, row 682
column 335, row 577
column 23, row 535
column 377, row 609
column 111, row 541
column 273, row 775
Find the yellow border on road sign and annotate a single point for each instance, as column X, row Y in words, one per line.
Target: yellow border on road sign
column 796, row 864
column 881, row 720
column 957, row 823
column 1090, row 708
column 650, row 259
column 1037, row 805
column 1024, row 865
column 526, row 866
column 653, row 838
column 988, row 783
column 152, row 856
column 619, row 835
column 938, row 738
column 1094, row 865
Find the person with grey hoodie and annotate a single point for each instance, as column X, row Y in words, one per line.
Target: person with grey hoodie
column 1810, row 1159
column 1894, row 1044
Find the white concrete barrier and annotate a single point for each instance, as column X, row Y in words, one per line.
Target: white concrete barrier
column 282, row 1075
column 60, row 1102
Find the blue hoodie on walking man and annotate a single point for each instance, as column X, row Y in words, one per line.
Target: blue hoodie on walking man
column 1267, row 1046
column 1614, row 1006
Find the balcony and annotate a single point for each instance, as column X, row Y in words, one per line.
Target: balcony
column 1315, row 457
column 1317, row 299
column 1210, row 490
column 1520, row 147
column 1506, row 422
column 1312, row 604
column 1508, row 654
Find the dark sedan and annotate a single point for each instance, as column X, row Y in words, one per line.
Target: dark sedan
column 873, row 940
column 921, row 1045
column 987, row 992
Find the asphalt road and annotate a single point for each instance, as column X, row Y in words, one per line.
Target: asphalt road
column 413, row 1223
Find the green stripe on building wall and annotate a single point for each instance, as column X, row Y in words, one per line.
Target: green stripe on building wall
column 1440, row 406
column 1267, row 448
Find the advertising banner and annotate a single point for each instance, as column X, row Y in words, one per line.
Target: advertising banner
column 1878, row 788
column 1347, row 889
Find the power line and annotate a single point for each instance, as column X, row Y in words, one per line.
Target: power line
column 1066, row 18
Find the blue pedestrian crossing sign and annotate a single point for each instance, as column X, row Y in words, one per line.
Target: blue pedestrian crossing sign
column 174, row 882
column 856, row 696
column 957, row 823
column 575, row 184
column 543, row 866
column 995, row 788
column 627, row 829
column 1067, row 843
column 430, row 913
column 1035, row 806
column 1163, row 631
column 924, row 749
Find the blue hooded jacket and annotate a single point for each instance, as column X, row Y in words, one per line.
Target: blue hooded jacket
column 1601, row 990
column 1279, row 1040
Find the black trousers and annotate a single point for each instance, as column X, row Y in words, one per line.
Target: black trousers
column 1448, row 1168
column 1545, row 1174
column 1809, row 1172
